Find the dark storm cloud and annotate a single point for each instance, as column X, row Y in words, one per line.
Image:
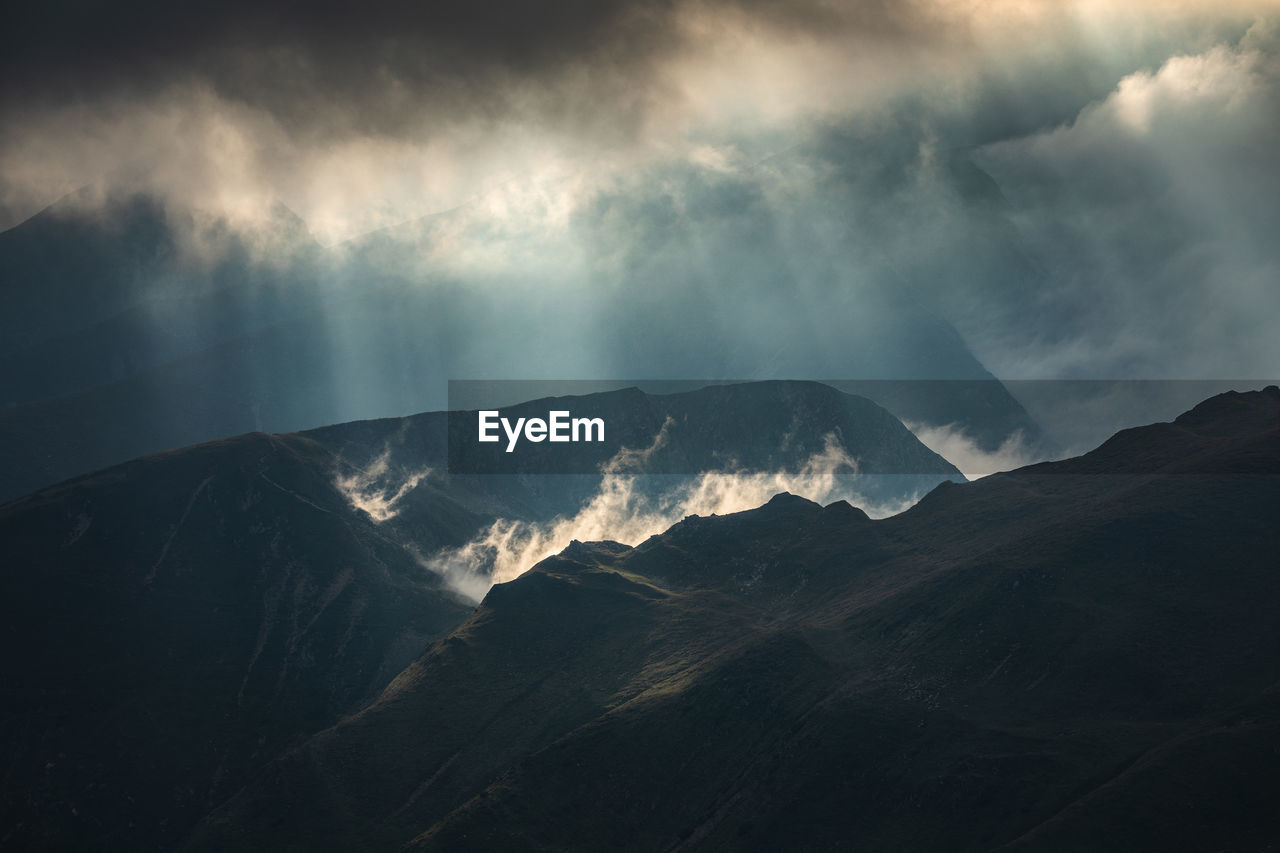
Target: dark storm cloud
column 375, row 66
column 305, row 63
column 783, row 189
column 237, row 106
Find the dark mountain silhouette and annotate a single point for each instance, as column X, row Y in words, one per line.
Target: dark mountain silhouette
column 174, row 623
column 119, row 339
column 1073, row 655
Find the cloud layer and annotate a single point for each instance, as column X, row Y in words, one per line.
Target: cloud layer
column 1080, row 188
column 1153, row 214
column 361, row 117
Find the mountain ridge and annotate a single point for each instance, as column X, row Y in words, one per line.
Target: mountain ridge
column 802, row 671
column 178, row 620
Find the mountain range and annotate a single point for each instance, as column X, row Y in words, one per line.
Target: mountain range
column 176, row 622
column 1074, row 655
column 216, row 648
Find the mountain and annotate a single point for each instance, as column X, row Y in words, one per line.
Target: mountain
column 99, row 290
column 63, row 270
column 127, row 328
column 1074, row 655
column 754, row 427
column 174, row 623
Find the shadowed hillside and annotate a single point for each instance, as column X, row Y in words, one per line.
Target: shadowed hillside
column 1063, row 657
column 176, row 622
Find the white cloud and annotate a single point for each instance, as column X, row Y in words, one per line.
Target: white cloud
column 391, row 152
column 1154, row 215
column 622, row 511
column 376, row 490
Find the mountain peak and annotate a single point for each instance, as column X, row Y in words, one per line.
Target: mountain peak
column 578, row 550
column 844, row 510
column 1234, row 412
column 788, row 501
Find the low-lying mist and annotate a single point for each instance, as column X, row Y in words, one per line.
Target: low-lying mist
column 628, row 508
column 367, row 488
column 952, row 443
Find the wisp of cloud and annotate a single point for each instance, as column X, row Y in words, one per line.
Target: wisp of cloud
column 624, row 510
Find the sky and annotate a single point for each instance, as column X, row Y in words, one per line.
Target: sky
column 1080, row 188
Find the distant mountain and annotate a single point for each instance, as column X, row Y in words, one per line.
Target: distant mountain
column 120, row 335
column 1074, row 655
column 174, row 623
column 64, row 270
column 96, row 291
column 775, row 426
